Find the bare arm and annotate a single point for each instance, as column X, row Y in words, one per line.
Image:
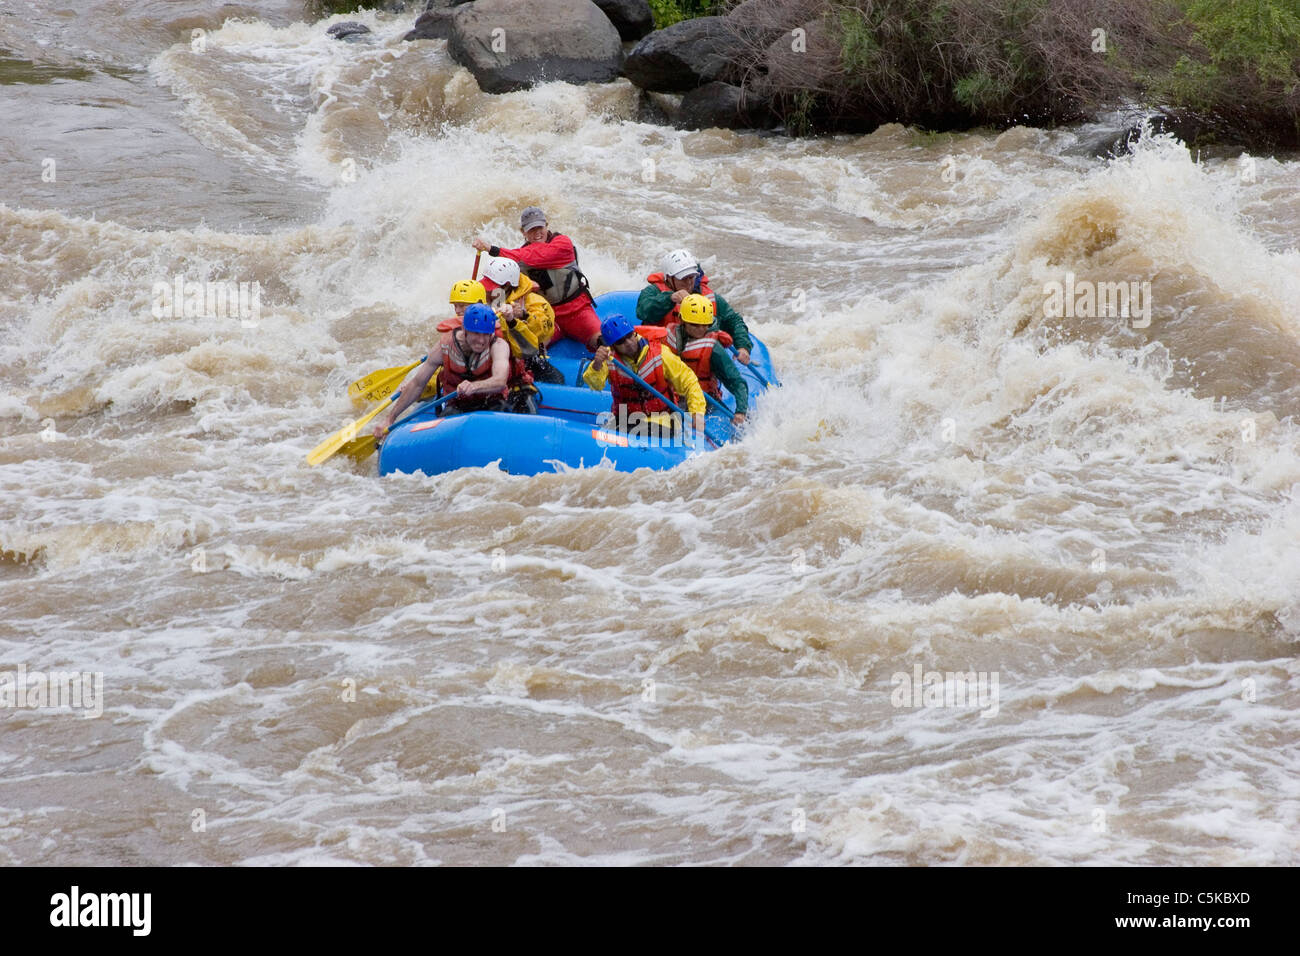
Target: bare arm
column 500, row 372
column 412, row 389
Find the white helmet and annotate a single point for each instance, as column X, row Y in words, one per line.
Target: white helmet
column 679, row 264
column 502, row 271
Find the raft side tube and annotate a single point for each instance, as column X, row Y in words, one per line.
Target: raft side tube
column 523, row 444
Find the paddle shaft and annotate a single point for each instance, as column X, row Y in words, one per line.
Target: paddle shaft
column 655, row 392
column 364, row 446
column 343, row 436
column 437, row 403
column 757, row 374
column 717, row 404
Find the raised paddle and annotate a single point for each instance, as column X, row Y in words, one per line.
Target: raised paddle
column 653, row 391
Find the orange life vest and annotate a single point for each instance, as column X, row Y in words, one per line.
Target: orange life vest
column 519, row 377
column 698, row 355
column 637, row 399
column 459, row 364
column 658, row 280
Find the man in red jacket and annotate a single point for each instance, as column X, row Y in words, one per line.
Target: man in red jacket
column 550, row 260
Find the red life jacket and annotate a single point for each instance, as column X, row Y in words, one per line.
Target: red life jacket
column 637, row 399
column 658, row 280
column 459, row 364
column 698, row 355
column 519, row 377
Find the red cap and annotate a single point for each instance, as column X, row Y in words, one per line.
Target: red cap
column 488, row 284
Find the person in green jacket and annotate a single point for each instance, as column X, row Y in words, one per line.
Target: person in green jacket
column 702, row 346
column 660, row 301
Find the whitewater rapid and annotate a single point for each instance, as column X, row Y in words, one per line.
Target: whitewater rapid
column 691, row 666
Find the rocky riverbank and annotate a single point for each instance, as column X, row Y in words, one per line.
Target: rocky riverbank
column 1213, row 73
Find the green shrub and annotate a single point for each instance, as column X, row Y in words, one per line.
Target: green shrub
column 1259, row 37
column 1234, row 43
column 1236, row 76
column 935, row 61
column 328, row 8
column 979, row 92
column 320, row 9
column 668, row 12
column 1218, row 69
column 859, row 50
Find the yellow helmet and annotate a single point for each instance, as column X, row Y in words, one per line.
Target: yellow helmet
column 468, row 291
column 697, row 310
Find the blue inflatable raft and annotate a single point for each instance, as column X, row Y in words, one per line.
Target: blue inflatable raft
column 563, row 434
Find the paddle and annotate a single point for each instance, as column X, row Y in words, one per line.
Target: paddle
column 656, row 332
column 359, row 449
column 362, row 448
column 348, row 435
column 727, row 413
column 380, row 384
column 651, row 389
column 329, row 446
column 757, row 374
column 725, row 421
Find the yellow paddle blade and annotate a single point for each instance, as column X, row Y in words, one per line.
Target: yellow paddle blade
column 349, row 440
column 359, row 449
column 340, row 438
column 379, row 384
column 362, row 448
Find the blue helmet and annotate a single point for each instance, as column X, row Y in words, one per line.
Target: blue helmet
column 615, row 328
column 479, row 318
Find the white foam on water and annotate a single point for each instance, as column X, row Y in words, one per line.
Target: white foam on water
column 946, row 479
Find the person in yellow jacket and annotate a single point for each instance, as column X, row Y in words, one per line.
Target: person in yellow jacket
column 527, row 319
column 658, row 366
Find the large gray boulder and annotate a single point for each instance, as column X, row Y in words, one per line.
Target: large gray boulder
column 631, row 18
column 512, row 44
column 721, row 105
column 433, row 24
column 686, row 55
